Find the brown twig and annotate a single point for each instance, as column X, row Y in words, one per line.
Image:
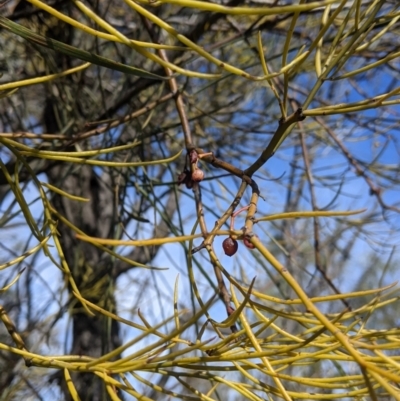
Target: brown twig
column 183, row 119
column 193, row 154
column 114, row 123
column 373, row 189
column 174, row 88
column 211, row 159
column 317, row 247
column 93, row 132
column 278, row 137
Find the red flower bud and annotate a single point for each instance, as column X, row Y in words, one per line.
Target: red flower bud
column 248, row 244
column 230, row 246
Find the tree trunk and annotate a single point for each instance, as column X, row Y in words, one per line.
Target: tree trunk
column 92, row 270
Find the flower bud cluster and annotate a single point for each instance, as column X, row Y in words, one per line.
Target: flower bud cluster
column 189, row 177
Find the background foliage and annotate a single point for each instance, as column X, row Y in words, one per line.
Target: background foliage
column 114, row 282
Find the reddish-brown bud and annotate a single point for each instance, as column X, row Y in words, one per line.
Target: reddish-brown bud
column 197, row 175
column 193, row 157
column 248, row 244
column 230, row 246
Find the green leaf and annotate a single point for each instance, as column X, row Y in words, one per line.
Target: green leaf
column 73, row 51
